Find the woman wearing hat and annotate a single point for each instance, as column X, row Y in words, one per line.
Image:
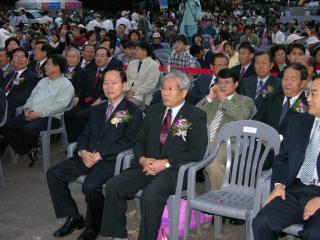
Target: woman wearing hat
column 156, row 41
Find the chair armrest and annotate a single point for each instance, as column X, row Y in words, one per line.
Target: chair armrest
column 120, row 161
column 127, row 160
column 181, row 174
column 19, row 110
column 71, row 148
column 262, row 191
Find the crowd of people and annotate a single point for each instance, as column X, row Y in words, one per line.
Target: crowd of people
column 135, row 82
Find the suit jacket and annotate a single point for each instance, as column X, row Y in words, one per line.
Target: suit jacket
column 106, row 138
column 90, row 66
column 20, row 93
column 271, row 109
column 145, row 80
column 201, row 87
column 288, row 162
column 248, row 88
column 248, row 73
column 32, row 66
column 238, row 108
column 79, row 80
column 2, row 104
column 175, row 149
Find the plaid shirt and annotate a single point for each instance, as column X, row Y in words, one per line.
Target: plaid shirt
column 182, row 60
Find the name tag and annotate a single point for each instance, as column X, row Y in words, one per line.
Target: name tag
column 249, row 130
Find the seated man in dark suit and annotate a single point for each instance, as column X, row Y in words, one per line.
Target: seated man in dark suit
column 41, row 53
column 258, row 86
column 160, row 149
column 19, row 84
column 203, row 84
column 295, row 177
column 87, row 61
column 246, row 67
column 52, row 93
column 95, row 157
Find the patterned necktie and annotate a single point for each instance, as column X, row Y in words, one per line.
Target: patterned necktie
column 260, row 85
column 285, row 109
column 38, row 70
column 10, row 84
column 242, row 72
column 312, row 152
column 165, row 127
column 139, row 66
column 109, row 111
column 215, row 124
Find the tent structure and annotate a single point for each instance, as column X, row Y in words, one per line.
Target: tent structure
column 50, row 4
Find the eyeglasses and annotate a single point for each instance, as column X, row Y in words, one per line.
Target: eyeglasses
column 309, row 93
column 170, row 90
column 224, row 83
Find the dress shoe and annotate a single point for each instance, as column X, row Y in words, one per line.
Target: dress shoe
column 88, row 234
column 235, row 221
column 69, row 226
column 33, row 155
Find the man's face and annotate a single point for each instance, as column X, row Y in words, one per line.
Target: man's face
column 292, row 84
column 156, row 40
column 19, row 61
column 227, row 86
column 12, row 45
column 121, row 29
column 38, row 54
column 72, row 59
column 280, row 56
column 294, row 54
column 141, row 53
column 113, row 87
column 4, row 60
column 88, row 53
column 248, row 31
column 101, row 58
column 172, row 96
column 228, row 50
column 263, row 66
column 180, row 47
column 314, row 101
column 304, row 61
column 245, row 57
column 219, row 64
column 106, row 44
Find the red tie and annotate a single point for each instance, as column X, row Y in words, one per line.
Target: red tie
column 98, row 76
column 165, row 127
column 11, row 83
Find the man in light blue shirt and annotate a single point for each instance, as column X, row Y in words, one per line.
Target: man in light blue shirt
column 52, row 93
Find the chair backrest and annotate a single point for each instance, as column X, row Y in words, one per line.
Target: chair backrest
column 252, row 141
column 166, row 45
column 162, row 51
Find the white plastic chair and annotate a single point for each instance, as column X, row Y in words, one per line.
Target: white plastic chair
column 237, row 196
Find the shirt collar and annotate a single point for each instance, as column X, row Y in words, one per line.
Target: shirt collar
column 174, row 110
column 292, row 99
column 245, row 67
column 263, row 79
column 115, row 105
column 230, row 96
column 20, row 72
column 41, row 62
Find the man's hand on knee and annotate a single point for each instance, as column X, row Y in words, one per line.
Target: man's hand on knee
column 278, row 191
column 311, row 207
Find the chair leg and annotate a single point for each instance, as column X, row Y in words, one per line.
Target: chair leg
column 2, row 182
column 65, row 137
column 137, row 201
column 174, row 215
column 187, row 222
column 249, row 232
column 217, row 226
column 199, row 230
column 45, row 145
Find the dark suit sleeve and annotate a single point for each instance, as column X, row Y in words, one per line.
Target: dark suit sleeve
column 128, row 139
column 262, row 111
column 84, row 138
column 197, row 140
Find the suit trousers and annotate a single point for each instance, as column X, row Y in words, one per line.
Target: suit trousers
column 22, row 135
column 59, row 177
column 217, row 167
column 279, row 214
column 156, row 190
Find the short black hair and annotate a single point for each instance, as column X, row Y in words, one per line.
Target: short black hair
column 107, row 50
column 228, row 44
column 121, row 24
column 88, row 45
column 196, row 35
column 195, row 49
column 147, row 47
column 123, row 74
column 59, row 60
column 19, row 50
column 89, row 34
column 182, row 38
column 10, row 39
column 274, row 49
column 227, row 73
column 134, row 31
column 264, row 53
column 218, row 55
column 45, row 47
column 246, row 45
column 300, row 68
column 296, row 45
column 112, row 44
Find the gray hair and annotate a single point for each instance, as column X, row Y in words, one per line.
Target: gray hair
column 72, row 49
column 182, row 79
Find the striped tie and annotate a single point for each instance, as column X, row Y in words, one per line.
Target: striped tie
column 215, row 124
column 311, row 156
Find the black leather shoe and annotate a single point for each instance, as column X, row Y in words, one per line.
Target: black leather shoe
column 88, row 234
column 33, row 155
column 69, row 226
column 237, row 221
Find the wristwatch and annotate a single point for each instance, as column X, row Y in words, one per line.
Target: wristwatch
column 168, row 165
